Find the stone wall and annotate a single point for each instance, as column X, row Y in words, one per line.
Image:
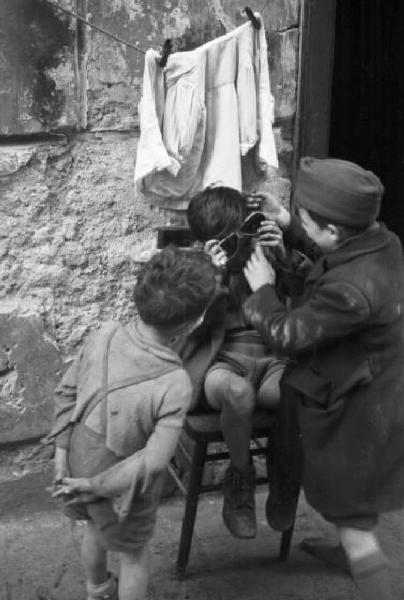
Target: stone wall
column 72, row 229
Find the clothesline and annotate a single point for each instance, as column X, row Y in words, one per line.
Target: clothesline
column 97, row 27
column 167, row 45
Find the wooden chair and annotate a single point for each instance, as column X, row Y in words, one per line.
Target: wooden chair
column 204, row 430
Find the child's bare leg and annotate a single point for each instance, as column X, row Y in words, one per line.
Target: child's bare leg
column 100, row 584
column 369, row 565
column 94, row 555
column 234, row 397
column 133, row 575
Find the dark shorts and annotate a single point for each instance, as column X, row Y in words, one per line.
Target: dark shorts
column 244, row 354
column 88, row 456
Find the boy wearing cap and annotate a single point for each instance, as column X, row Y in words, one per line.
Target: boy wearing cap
column 346, row 338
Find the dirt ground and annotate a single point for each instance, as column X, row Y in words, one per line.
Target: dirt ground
column 39, row 553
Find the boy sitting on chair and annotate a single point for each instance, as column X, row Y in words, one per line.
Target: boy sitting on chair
column 242, row 373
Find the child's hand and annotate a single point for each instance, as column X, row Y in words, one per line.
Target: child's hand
column 61, row 465
column 253, row 201
column 273, row 208
column 77, row 489
column 258, row 270
column 217, row 254
column 270, row 235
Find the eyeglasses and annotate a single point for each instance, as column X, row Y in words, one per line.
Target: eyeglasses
column 248, row 229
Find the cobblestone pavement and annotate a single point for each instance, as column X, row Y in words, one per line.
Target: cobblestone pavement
column 39, row 554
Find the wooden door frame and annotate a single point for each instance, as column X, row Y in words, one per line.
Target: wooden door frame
column 317, row 35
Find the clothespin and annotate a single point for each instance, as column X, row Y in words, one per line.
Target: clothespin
column 167, row 47
column 252, row 17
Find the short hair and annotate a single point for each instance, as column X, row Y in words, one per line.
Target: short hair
column 175, row 286
column 345, row 231
column 216, row 212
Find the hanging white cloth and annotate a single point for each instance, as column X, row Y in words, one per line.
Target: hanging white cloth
column 201, row 113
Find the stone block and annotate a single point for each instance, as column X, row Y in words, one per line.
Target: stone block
column 31, row 367
column 13, row 158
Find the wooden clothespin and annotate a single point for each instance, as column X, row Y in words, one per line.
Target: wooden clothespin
column 167, row 47
column 252, row 18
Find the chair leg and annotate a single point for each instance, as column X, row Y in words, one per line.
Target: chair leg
column 191, row 505
column 286, row 541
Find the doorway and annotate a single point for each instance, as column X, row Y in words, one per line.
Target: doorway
column 367, row 101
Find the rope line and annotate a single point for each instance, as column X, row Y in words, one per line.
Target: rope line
column 71, row 13
column 96, row 27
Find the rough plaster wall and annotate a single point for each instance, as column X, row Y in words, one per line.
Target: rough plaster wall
column 72, row 230
column 70, row 225
column 38, row 89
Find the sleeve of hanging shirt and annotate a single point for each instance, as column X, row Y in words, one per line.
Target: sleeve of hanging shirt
column 246, row 89
column 151, row 154
column 267, row 155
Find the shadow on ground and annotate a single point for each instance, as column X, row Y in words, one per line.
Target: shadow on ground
column 39, row 552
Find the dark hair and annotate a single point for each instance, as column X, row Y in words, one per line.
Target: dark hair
column 174, row 286
column 216, row 212
column 345, row 231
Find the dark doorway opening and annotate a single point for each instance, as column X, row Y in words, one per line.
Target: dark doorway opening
column 367, row 106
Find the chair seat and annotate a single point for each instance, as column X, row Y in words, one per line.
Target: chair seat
column 206, row 427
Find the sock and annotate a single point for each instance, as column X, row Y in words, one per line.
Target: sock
column 102, row 589
column 372, row 577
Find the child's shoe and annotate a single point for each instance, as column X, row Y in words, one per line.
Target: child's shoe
column 239, row 502
column 104, row 591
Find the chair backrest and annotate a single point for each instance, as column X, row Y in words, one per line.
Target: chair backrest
column 171, row 234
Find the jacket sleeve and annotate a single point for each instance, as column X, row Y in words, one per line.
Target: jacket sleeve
column 296, row 237
column 335, row 310
column 152, row 154
column 291, row 272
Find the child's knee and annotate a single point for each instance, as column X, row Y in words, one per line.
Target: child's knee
column 226, row 390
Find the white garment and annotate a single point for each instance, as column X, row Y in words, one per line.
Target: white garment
column 201, row 113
